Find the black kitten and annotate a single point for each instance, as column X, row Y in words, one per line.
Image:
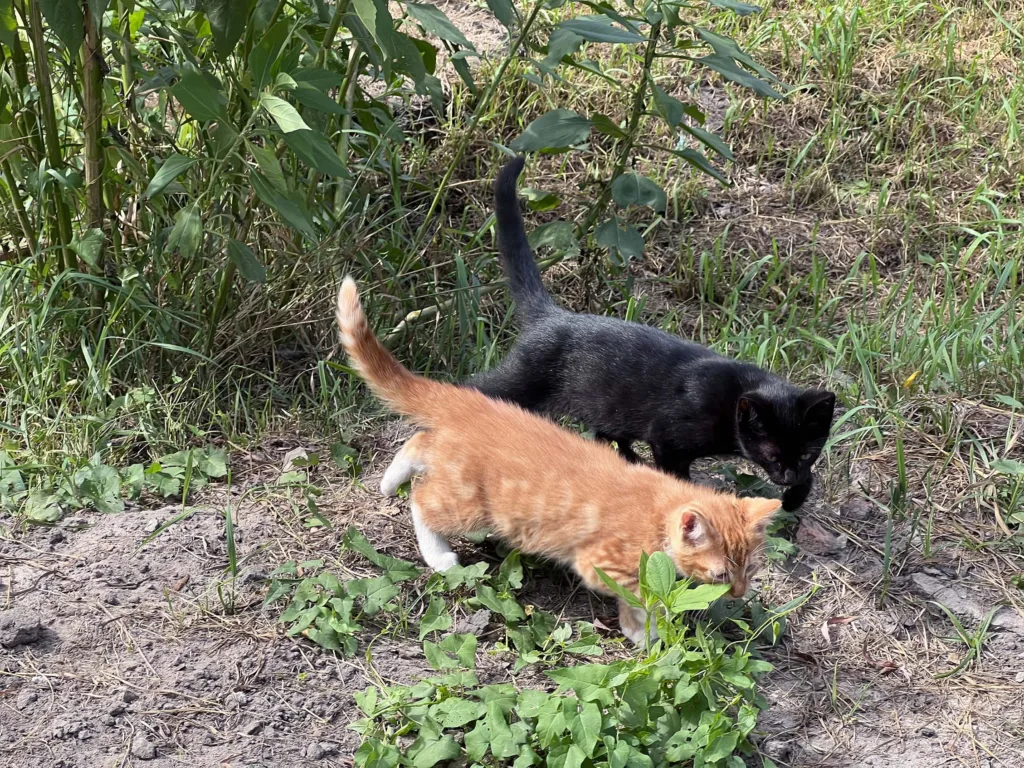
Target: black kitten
column 631, row 382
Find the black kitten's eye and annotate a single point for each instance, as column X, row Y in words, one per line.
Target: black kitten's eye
column 806, row 456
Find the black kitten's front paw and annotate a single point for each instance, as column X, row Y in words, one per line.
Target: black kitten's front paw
column 794, row 496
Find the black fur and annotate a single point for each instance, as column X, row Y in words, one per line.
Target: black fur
column 631, row 382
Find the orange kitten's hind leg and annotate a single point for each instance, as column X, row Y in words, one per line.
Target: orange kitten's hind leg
column 632, row 621
column 437, row 552
column 407, row 464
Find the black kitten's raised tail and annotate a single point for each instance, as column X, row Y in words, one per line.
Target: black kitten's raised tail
column 523, row 275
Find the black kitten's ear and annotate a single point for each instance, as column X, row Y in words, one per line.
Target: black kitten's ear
column 819, row 405
column 748, row 410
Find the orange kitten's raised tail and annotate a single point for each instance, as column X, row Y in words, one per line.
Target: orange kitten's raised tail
column 409, row 394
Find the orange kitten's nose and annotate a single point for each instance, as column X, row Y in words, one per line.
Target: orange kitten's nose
column 739, row 589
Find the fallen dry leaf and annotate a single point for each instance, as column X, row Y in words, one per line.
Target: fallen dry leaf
column 180, row 583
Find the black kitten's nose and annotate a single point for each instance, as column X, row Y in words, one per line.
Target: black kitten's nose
column 789, row 477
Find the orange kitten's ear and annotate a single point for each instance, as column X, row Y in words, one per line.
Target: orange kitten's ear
column 693, row 528
column 761, row 510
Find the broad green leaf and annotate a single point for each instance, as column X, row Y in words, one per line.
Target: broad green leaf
column 245, row 262
column 66, row 19
column 601, row 29
column 11, row 479
column 285, row 115
column 227, row 22
column 586, row 728
column 269, row 165
column 315, row 77
column 555, row 130
column 316, row 99
column 561, row 43
column 698, row 161
column 504, row 11
column 661, row 574
column 376, row 592
column 574, row 758
column 633, row 189
column 603, row 124
column 699, row 598
column 89, row 246
column 721, row 747
column 624, row 241
column 553, row 234
column 265, row 55
column 478, row 741
column 286, row 207
column 100, row 486
column 740, row 9
column 375, row 754
column 1007, row 467
column 708, row 139
column 455, row 712
column 1011, row 402
column 378, row 22
column 436, row 23
column 395, row 569
column 462, row 67
column 669, row 107
column 463, row 575
column 510, row 572
column 502, row 741
column 187, row 233
column 8, row 24
column 173, row 167
column 453, row 652
column 316, row 152
column 426, row 753
column 42, row 507
column 199, row 98
column 504, row 606
column 588, row 681
column 538, row 200
column 436, row 619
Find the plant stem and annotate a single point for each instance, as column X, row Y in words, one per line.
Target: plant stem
column 51, row 136
column 340, row 8
column 348, row 93
column 467, row 135
column 628, row 142
column 19, row 206
column 21, row 79
column 92, row 119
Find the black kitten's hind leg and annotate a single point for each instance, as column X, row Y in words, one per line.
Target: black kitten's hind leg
column 625, row 446
column 671, row 460
column 794, row 496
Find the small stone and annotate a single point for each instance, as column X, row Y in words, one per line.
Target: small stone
column 56, row 537
column 316, row 751
column 928, row 733
column 108, row 720
column 1019, row 678
column 814, row 538
column 116, row 708
column 474, row 624
column 856, row 509
column 151, row 525
column 251, row 728
column 111, row 598
column 18, row 626
column 236, row 700
column 143, row 748
column 25, row 698
column 129, row 696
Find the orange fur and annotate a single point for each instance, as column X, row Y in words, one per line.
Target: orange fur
column 489, row 465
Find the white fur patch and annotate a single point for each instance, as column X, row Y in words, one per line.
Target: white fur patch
column 402, row 469
column 437, row 552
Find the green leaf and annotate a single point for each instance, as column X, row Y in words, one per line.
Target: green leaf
column 66, row 19
column 588, row 681
column 395, row 569
column 315, row 77
column 633, row 189
column 669, row 107
column 538, row 200
column 721, row 747
column 374, row 754
column 286, row 207
column 245, row 262
column 502, row 741
column 375, row 592
column 187, row 233
column 504, row 12
column 603, row 124
column 199, row 98
column 375, row 17
column 698, row 161
column 1011, row 402
column 89, row 246
column 601, row 29
column 316, row 152
column 227, row 22
column 269, row 165
column 455, row 712
column 454, row 652
column 8, row 24
column 561, row 43
column 555, row 130
column 617, row 589
column 100, row 485
column 510, row 572
column 1007, row 467
column 316, row 99
column 699, row 598
column 554, row 234
column 740, row 9
column 436, row 23
column 504, row 606
column 661, row 574
column 586, row 728
column 173, row 167
column 426, row 753
column 42, row 507
column 436, row 619
column 624, row 241
column 285, row 115
column 726, row 60
column 265, row 55
column 708, row 139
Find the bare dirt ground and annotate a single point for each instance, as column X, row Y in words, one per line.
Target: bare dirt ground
column 120, row 653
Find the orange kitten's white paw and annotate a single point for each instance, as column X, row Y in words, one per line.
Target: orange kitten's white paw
column 444, row 562
column 403, row 468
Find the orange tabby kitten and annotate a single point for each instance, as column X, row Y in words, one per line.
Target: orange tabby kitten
column 482, row 464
